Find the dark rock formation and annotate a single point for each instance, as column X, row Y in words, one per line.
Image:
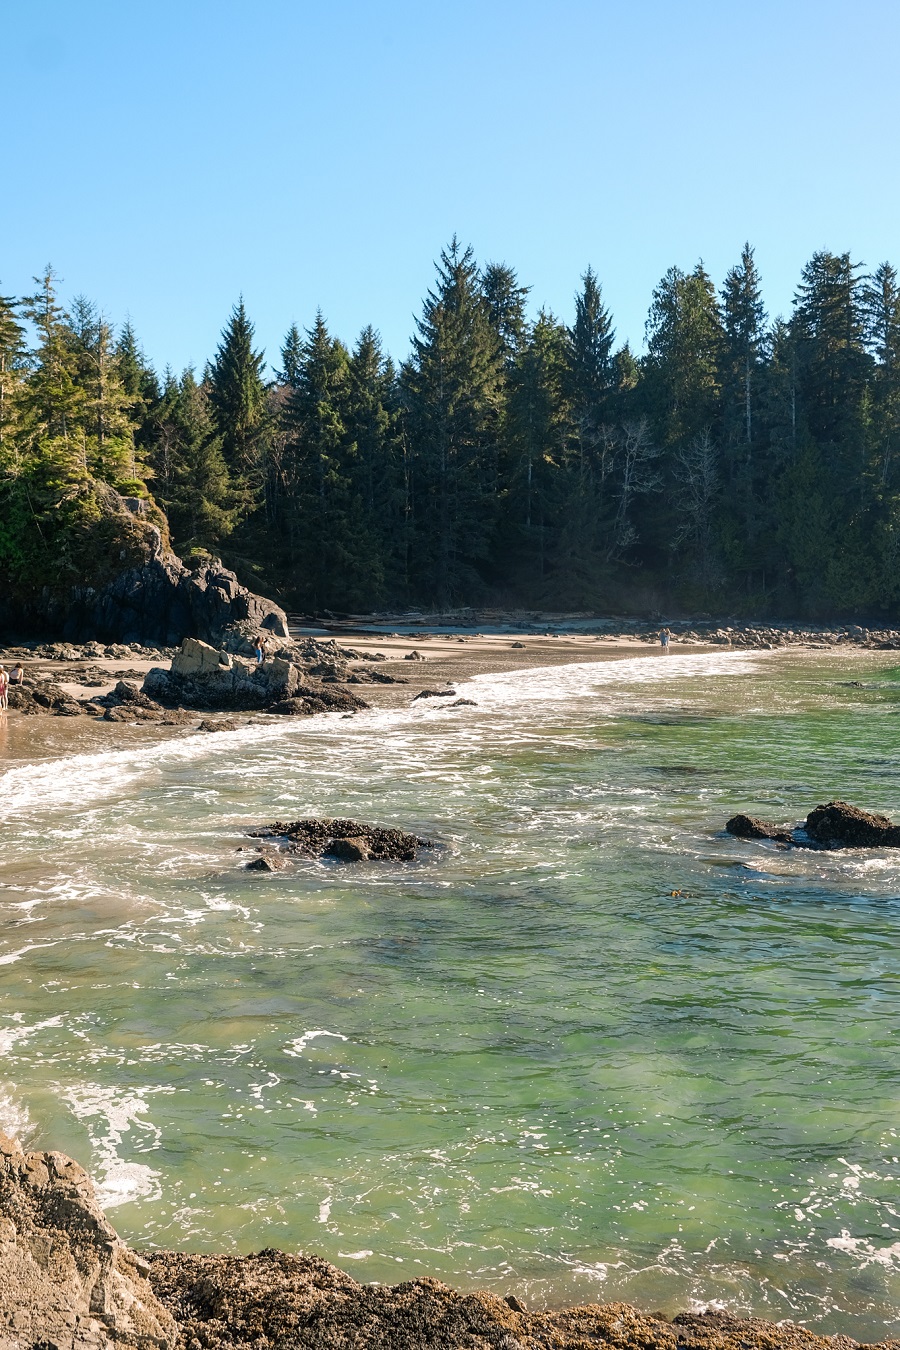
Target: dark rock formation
column 434, row 693
column 345, row 839
column 463, row 703
column 164, row 602
column 749, row 827
column 66, row 1279
column 223, row 724
column 310, row 699
column 203, row 677
column 839, row 825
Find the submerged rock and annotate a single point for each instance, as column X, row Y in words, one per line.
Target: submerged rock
column 344, row 839
column 270, row 861
column 434, row 693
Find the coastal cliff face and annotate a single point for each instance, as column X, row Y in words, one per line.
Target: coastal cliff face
column 68, row 1282
column 157, row 601
column 164, row 602
column 66, row 1278
column 106, row 573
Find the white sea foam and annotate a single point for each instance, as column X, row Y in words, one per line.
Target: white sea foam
column 54, row 786
column 297, row 1047
column 110, row 1114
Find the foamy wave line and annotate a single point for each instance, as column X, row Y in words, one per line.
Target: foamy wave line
column 86, row 779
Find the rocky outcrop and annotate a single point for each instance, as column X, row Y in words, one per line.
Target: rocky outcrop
column 344, row 839
column 750, row 827
column 836, row 825
column 840, row 825
column 66, row 1279
column 202, row 676
column 164, row 602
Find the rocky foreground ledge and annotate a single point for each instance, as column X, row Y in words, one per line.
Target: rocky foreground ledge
column 68, row 1282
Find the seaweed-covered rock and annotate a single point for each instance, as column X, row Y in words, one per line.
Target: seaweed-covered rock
column 840, row 825
column 345, row 839
column 749, row 827
column 434, row 693
column 273, row 1299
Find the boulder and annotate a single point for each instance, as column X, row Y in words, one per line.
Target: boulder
column 839, row 825
column 344, row 839
column 223, row 724
column 749, row 827
column 132, row 712
column 353, row 849
column 269, row 861
column 434, row 693
column 66, row 1278
column 202, row 676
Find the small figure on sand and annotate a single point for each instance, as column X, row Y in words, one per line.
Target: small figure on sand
column 664, row 636
column 258, row 652
column 4, row 689
column 17, row 675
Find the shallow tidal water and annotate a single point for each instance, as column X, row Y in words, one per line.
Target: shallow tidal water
column 590, row 1048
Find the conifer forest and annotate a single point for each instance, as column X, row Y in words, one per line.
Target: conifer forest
column 740, row 463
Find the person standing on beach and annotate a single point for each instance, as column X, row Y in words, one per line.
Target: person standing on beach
column 664, row 636
column 4, row 689
column 258, row 652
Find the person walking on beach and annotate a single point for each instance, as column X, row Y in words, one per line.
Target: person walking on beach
column 4, row 689
column 664, row 636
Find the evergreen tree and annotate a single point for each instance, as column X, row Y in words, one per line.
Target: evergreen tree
column 743, row 339
column 590, row 362
column 453, row 397
column 291, row 358
column 52, row 398
column 13, row 368
column 684, row 337
column 237, row 394
column 536, row 428
column 506, row 308
column 192, row 481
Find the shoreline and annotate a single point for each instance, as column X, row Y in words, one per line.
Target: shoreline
column 65, row 1273
column 439, row 662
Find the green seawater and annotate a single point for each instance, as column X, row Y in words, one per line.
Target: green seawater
column 590, row 1048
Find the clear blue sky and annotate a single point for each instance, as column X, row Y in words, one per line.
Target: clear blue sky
column 167, row 156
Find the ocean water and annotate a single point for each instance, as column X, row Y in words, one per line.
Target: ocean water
column 590, row 1048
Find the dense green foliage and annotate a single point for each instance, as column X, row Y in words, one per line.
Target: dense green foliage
column 72, row 409
column 739, row 463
